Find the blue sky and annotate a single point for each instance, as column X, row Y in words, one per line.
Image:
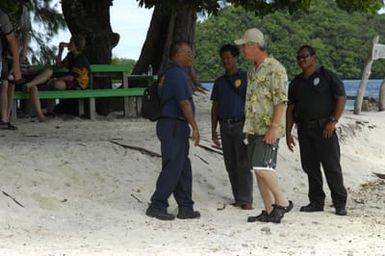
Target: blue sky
column 131, row 22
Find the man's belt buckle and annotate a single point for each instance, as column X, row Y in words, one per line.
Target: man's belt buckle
column 231, row 121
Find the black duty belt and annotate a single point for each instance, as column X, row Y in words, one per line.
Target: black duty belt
column 231, row 120
column 313, row 123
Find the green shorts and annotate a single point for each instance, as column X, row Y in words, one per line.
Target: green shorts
column 262, row 156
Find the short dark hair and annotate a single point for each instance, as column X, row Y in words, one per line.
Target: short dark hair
column 175, row 47
column 311, row 49
column 229, row 48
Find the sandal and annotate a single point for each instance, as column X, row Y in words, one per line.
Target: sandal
column 8, row 126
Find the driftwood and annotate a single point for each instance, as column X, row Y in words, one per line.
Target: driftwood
column 13, row 199
column 142, row 150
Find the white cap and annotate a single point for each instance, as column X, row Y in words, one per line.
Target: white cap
column 252, row 35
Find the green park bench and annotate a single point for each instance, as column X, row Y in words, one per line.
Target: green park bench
column 132, row 96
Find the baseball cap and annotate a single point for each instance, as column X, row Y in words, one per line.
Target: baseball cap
column 252, row 35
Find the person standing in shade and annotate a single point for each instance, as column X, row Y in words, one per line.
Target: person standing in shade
column 316, row 103
column 173, row 131
column 12, row 69
column 228, row 106
column 266, row 97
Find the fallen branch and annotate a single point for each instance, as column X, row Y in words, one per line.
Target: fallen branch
column 142, row 150
column 210, row 148
column 203, row 160
column 137, row 199
column 6, row 194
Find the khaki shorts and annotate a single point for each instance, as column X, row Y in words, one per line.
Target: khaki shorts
column 262, row 156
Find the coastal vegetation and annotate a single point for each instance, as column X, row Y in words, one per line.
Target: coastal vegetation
column 342, row 39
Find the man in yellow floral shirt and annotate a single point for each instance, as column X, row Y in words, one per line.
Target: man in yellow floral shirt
column 266, row 99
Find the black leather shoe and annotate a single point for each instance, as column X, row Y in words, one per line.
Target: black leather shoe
column 276, row 214
column 188, row 214
column 159, row 213
column 261, row 217
column 341, row 210
column 246, row 206
column 312, row 207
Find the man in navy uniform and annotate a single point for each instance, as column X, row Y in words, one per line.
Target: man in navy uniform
column 316, row 102
column 228, row 108
column 173, row 131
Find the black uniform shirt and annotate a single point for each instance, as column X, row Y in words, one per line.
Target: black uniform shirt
column 314, row 98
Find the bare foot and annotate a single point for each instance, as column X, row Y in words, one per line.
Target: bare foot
column 42, row 118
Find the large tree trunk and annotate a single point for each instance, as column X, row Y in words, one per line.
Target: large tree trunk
column 92, row 19
column 167, row 26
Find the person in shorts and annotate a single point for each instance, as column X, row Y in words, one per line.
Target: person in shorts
column 78, row 76
column 266, row 99
column 8, row 70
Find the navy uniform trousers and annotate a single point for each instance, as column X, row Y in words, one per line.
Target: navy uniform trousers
column 176, row 176
column 316, row 150
column 236, row 161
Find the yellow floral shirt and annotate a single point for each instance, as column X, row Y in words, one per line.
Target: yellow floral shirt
column 267, row 87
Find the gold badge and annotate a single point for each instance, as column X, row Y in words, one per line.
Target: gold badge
column 237, row 83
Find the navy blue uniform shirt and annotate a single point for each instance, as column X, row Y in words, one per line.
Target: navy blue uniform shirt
column 175, row 87
column 230, row 93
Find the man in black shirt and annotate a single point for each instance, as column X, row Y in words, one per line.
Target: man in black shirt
column 316, row 102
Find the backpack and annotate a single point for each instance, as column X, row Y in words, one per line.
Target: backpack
column 151, row 103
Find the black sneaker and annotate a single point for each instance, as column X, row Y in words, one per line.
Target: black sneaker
column 159, row 213
column 261, row 217
column 276, row 214
column 289, row 207
column 341, row 210
column 188, row 214
column 312, row 207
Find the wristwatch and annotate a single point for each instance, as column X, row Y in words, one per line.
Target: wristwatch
column 333, row 119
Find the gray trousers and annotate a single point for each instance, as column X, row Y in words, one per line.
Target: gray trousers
column 236, row 161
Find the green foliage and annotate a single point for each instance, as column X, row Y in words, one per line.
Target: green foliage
column 131, row 63
column 342, row 39
column 46, row 23
column 263, row 7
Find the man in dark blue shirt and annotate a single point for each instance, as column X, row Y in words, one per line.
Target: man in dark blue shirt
column 228, row 106
column 316, row 102
column 173, row 131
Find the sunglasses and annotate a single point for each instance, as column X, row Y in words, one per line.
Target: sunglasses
column 305, row 56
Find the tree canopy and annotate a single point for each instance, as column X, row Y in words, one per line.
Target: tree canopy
column 263, row 7
column 342, row 39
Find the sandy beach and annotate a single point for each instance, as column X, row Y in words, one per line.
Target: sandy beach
column 79, row 187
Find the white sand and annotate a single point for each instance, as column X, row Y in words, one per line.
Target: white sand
column 83, row 195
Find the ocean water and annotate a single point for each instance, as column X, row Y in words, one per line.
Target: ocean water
column 351, row 87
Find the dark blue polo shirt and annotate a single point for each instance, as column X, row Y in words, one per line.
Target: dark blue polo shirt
column 314, row 98
column 230, row 93
column 175, row 87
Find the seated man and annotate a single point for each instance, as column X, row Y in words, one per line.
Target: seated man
column 78, row 76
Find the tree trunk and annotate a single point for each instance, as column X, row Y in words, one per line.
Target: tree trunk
column 364, row 80
column 92, row 19
column 381, row 97
column 167, row 26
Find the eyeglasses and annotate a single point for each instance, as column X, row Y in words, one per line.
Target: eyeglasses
column 305, row 56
